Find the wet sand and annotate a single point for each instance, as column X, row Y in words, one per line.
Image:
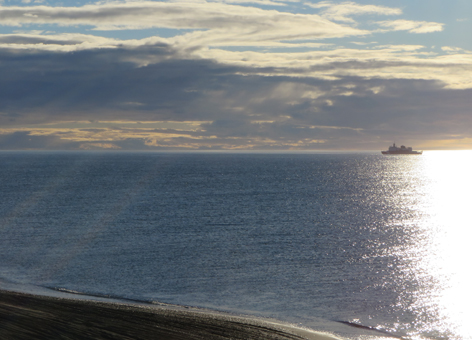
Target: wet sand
column 26, row 316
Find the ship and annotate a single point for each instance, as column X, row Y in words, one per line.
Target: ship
column 402, row 150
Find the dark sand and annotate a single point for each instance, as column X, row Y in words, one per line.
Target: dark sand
column 25, row 316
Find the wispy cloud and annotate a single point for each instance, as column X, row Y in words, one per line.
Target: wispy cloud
column 344, row 11
column 256, row 2
column 412, row 26
column 175, row 15
column 388, row 62
column 451, row 49
column 57, row 42
column 210, row 24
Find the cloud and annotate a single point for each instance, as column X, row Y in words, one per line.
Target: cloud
column 257, row 2
column 57, row 42
column 385, row 62
column 180, row 15
column 343, row 11
column 196, row 25
column 95, row 99
column 450, row 49
column 23, row 140
column 412, row 26
column 229, row 77
column 388, row 62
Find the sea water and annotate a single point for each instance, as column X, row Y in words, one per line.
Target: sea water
column 312, row 239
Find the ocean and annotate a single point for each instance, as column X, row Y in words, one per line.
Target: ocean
column 315, row 239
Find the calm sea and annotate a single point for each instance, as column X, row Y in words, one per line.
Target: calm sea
column 312, row 239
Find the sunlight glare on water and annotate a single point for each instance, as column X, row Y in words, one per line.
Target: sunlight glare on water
column 377, row 241
column 446, row 219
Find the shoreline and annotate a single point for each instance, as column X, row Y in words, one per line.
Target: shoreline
column 29, row 316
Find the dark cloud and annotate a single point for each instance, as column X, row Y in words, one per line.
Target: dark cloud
column 23, row 140
column 29, row 39
column 155, row 83
column 82, row 84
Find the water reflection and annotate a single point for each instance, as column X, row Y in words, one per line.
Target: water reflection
column 445, row 209
column 375, row 240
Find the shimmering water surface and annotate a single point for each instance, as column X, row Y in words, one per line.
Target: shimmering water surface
column 314, row 239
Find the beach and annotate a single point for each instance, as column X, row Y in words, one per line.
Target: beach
column 28, row 316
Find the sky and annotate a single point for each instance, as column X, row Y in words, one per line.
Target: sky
column 269, row 75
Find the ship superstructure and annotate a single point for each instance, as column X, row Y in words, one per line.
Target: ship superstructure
column 402, row 150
